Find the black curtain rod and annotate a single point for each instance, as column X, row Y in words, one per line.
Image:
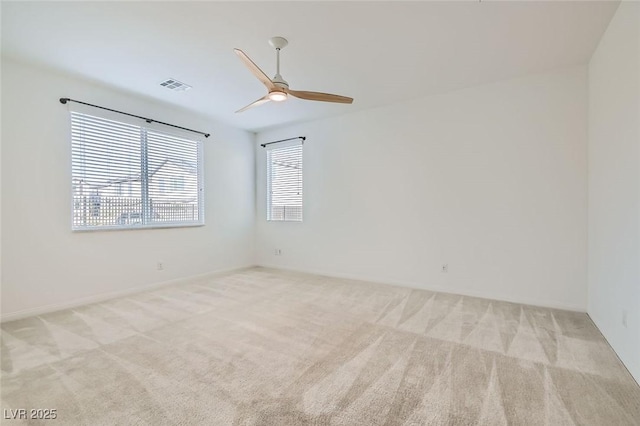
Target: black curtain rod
column 304, row 138
column 148, row 120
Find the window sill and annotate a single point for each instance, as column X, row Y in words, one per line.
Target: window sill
column 137, row 227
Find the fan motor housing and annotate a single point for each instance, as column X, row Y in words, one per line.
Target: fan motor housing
column 279, row 81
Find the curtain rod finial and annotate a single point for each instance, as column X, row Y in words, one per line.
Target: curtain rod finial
column 64, row 100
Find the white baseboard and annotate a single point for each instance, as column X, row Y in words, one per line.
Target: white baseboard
column 632, row 365
column 40, row 310
column 423, row 286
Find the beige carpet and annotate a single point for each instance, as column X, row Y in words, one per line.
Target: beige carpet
column 272, row 348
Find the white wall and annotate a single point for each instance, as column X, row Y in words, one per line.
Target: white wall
column 614, row 184
column 45, row 264
column 490, row 180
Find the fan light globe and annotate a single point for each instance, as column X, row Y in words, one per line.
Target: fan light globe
column 277, row 96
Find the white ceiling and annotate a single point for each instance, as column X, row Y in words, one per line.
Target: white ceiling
column 376, row 52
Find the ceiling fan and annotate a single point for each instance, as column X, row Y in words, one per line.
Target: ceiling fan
column 278, row 88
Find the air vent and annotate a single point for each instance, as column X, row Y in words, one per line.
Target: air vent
column 176, row 85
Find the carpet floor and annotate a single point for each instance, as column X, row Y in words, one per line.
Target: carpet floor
column 266, row 347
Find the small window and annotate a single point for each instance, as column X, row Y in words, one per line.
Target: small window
column 119, row 175
column 284, row 183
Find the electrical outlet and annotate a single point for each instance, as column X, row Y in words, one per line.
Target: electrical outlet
column 445, row 267
column 624, row 318
column 277, row 252
column 160, row 266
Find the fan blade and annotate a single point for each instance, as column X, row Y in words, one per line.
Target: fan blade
column 255, row 70
column 256, row 103
column 317, row 96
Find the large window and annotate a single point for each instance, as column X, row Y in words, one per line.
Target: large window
column 284, row 183
column 128, row 176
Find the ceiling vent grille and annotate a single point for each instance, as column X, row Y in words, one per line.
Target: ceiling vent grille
column 175, row 85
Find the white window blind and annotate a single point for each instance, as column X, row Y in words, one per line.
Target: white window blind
column 284, row 183
column 128, row 176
